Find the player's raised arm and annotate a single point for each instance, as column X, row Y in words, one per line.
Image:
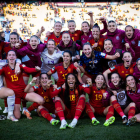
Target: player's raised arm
column 91, row 19
column 29, row 87
column 40, row 32
column 103, row 20
column 80, row 67
column 106, row 75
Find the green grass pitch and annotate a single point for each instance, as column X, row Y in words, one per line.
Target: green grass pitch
column 40, row 129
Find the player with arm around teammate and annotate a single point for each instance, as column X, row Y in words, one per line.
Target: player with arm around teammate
column 44, row 89
column 16, row 82
column 96, row 104
column 70, row 100
column 119, row 99
column 7, row 93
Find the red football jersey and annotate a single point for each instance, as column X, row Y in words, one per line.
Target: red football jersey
column 7, row 46
column 74, row 95
column 2, row 43
column 95, row 97
column 55, row 38
column 76, row 35
column 100, row 42
column 13, row 81
column 123, row 72
column 62, row 73
column 45, row 94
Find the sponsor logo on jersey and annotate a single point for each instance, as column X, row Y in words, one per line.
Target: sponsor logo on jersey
column 122, row 71
column 69, row 70
column 8, row 72
column 76, row 91
column 117, row 37
column 60, row 71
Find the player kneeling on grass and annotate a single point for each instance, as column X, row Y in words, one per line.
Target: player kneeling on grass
column 16, row 83
column 133, row 92
column 120, row 101
column 8, row 94
column 44, row 89
column 71, row 101
column 96, row 96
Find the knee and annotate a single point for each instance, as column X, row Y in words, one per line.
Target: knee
column 10, row 92
column 132, row 104
column 112, row 98
column 82, row 96
column 41, row 101
column 40, row 107
column 17, row 115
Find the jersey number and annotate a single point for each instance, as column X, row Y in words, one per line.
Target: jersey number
column 14, row 78
column 98, row 97
column 50, row 62
column 72, row 97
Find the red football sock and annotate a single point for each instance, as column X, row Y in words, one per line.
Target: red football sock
column 59, row 109
column 24, row 103
column 110, row 112
column 131, row 112
column 32, row 107
column 80, row 107
column 117, row 108
column 5, row 102
column 89, row 111
column 45, row 114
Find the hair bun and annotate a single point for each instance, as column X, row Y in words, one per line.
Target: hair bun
column 96, row 24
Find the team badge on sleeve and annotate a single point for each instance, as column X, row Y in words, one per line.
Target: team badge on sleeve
column 112, row 68
column 103, row 54
column 58, row 88
column 23, row 65
column 36, row 87
column 85, row 85
column 53, row 68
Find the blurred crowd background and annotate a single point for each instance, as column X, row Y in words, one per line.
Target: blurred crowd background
column 27, row 18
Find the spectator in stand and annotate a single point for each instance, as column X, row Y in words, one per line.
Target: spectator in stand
column 7, row 34
column 2, row 36
column 15, row 30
